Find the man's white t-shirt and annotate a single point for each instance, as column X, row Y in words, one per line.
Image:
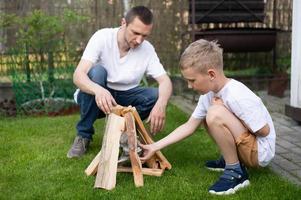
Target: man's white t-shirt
column 123, row 73
column 248, row 107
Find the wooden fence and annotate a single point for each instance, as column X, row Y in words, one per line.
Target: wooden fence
column 171, row 30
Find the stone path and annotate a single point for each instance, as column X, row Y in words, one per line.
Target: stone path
column 287, row 161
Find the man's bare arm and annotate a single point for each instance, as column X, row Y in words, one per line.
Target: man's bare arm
column 178, row 134
column 157, row 115
column 103, row 97
column 81, row 79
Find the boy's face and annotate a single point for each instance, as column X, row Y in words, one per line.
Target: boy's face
column 199, row 82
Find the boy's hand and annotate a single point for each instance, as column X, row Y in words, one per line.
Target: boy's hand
column 217, row 101
column 148, row 152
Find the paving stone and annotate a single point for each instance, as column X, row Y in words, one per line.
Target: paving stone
column 184, row 105
column 283, row 120
column 281, row 150
column 293, row 157
column 283, row 129
column 297, row 128
column 297, row 173
column 298, row 144
column 284, row 174
column 276, row 115
column 296, row 134
column 279, row 134
column 291, row 138
column 288, row 165
column 296, row 150
column 278, row 158
column 285, row 144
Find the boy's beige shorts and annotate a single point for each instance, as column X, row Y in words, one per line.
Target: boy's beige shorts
column 247, row 149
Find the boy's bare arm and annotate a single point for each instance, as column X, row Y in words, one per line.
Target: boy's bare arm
column 178, row 134
column 264, row 131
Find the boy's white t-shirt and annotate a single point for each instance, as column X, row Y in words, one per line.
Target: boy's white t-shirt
column 248, row 107
column 122, row 73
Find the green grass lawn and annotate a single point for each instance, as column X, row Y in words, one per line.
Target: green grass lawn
column 33, row 165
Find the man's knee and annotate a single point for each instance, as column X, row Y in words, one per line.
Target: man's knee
column 153, row 94
column 98, row 74
column 150, row 97
column 215, row 115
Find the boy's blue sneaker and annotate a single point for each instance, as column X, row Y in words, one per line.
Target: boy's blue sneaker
column 230, row 182
column 216, row 165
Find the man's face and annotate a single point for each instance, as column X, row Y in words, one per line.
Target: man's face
column 199, row 82
column 136, row 32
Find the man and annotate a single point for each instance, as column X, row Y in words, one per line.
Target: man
column 109, row 73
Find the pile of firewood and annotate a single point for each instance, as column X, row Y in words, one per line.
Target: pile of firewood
column 124, row 120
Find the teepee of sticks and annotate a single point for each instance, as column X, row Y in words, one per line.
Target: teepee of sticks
column 124, row 120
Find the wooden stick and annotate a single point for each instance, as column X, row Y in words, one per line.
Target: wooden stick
column 145, row 171
column 132, row 143
column 106, row 161
column 163, row 161
column 117, row 110
column 107, row 167
column 92, row 168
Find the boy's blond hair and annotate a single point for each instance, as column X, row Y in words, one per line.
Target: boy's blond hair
column 202, row 55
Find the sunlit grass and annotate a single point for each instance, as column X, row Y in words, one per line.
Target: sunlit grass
column 34, row 165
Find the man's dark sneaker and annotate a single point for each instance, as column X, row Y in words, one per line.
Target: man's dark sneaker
column 79, row 147
column 230, row 182
column 216, row 165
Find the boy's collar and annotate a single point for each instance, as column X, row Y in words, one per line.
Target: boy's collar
column 218, row 94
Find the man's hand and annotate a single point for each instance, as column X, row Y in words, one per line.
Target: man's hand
column 104, row 100
column 157, row 115
column 148, row 151
column 103, row 97
column 157, row 118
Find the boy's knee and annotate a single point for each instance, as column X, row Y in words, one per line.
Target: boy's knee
column 215, row 115
column 98, row 74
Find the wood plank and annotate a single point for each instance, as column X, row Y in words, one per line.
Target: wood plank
column 163, row 161
column 152, row 162
column 92, row 168
column 107, row 167
column 117, row 110
column 247, row 6
column 132, row 143
column 145, row 171
column 228, row 18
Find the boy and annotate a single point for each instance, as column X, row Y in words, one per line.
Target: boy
column 233, row 115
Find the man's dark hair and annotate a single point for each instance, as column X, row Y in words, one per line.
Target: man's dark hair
column 143, row 14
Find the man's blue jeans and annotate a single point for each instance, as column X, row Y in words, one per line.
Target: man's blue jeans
column 143, row 99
